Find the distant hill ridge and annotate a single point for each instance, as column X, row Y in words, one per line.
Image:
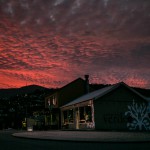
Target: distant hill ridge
column 6, row 93
column 10, row 92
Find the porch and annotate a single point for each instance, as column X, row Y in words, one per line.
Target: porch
column 78, row 117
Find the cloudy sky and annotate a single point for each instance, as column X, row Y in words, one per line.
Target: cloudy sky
column 52, row 42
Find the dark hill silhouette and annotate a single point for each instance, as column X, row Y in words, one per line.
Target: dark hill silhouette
column 7, row 93
column 145, row 92
column 98, row 86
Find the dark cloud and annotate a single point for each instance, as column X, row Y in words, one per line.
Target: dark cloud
column 42, row 41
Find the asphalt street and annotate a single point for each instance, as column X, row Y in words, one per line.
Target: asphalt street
column 8, row 142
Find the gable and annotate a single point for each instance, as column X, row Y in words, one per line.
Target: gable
column 122, row 93
column 71, row 92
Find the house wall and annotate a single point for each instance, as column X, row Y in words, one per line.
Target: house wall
column 71, row 92
column 110, row 110
column 66, row 94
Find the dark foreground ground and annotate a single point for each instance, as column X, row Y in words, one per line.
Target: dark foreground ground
column 9, row 142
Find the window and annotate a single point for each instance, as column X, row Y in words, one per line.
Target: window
column 68, row 116
column 85, row 114
column 88, row 112
column 82, row 115
column 52, row 101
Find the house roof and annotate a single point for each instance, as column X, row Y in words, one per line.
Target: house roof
column 99, row 93
column 65, row 87
column 74, row 81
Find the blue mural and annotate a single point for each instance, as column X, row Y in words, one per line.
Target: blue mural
column 139, row 117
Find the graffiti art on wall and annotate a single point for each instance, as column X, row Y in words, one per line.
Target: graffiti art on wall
column 114, row 118
column 139, row 119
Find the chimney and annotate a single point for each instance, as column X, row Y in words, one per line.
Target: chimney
column 86, row 83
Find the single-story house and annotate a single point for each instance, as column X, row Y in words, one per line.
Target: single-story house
column 116, row 107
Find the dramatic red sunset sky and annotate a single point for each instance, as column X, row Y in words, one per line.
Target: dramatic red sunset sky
column 52, row 42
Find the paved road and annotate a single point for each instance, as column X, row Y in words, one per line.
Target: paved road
column 87, row 136
column 8, row 142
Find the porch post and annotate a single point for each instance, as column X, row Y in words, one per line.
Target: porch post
column 92, row 109
column 77, row 113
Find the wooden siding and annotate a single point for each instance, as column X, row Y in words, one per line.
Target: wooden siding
column 110, row 109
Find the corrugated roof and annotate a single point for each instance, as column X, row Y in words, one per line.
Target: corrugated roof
column 92, row 95
column 98, row 93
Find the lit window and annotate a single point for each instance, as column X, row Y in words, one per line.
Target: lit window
column 85, row 114
column 68, row 116
column 52, row 101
